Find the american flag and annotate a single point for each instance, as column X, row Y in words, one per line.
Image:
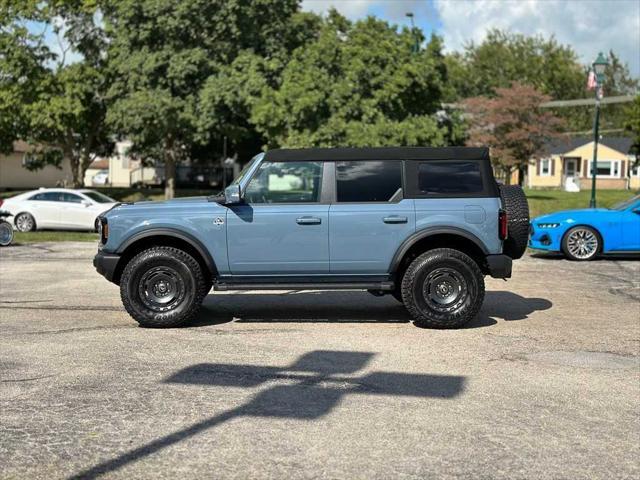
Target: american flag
column 592, row 81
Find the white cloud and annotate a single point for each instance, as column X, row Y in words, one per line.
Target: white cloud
column 589, row 26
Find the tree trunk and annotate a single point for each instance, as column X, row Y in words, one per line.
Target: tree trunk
column 522, row 172
column 507, row 175
column 74, row 162
column 169, row 171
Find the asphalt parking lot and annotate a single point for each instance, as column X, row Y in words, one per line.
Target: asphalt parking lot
column 545, row 383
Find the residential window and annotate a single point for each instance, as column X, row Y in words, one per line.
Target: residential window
column 285, row 182
column 368, row 181
column 449, row 178
column 606, row 168
column 545, row 167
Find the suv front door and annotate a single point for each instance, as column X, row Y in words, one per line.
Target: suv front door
column 282, row 226
column 370, row 218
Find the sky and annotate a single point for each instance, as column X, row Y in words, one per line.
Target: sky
column 589, row 26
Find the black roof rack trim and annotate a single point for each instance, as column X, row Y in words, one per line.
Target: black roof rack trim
column 377, row 153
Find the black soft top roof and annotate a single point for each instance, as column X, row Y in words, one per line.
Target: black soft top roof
column 382, row 153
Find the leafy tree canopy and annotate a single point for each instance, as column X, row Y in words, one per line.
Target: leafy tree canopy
column 357, row 84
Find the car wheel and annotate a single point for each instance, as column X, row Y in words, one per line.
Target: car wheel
column 96, row 225
column 162, row 287
column 443, row 288
column 6, row 233
column 581, row 243
column 25, row 222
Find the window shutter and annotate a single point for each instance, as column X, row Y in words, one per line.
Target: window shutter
column 623, row 172
column 586, row 168
column 538, row 164
column 553, row 167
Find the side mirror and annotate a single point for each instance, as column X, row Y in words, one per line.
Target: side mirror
column 86, row 203
column 233, row 195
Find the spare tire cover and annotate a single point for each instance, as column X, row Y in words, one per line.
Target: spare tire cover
column 517, row 208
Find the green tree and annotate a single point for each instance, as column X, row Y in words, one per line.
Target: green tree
column 358, row 84
column 503, row 58
column 163, row 53
column 632, row 125
column 56, row 106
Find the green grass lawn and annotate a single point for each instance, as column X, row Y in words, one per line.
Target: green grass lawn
column 54, row 236
column 547, row 201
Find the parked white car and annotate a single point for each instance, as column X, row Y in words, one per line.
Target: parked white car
column 100, row 178
column 57, row 208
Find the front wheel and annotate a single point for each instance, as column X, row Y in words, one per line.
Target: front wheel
column 162, row 287
column 581, row 243
column 443, row 288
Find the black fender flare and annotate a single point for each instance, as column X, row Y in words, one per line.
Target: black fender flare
column 430, row 232
column 175, row 233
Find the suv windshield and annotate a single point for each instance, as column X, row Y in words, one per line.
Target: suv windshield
column 98, row 197
column 246, row 168
column 625, row 203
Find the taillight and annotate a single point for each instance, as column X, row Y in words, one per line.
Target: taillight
column 502, row 225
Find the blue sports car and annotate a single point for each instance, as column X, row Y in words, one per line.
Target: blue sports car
column 583, row 234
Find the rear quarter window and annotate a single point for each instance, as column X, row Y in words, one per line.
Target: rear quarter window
column 450, row 179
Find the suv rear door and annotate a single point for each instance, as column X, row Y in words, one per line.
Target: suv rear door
column 282, row 226
column 369, row 219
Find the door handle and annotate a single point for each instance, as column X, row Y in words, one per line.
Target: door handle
column 395, row 219
column 308, row 221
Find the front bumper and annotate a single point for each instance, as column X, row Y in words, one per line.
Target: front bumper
column 545, row 238
column 106, row 264
column 499, row 266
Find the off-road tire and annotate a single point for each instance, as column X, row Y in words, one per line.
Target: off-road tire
column 517, row 208
column 464, row 306
column 168, row 263
column 30, row 222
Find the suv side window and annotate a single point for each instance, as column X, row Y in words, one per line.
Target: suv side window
column 449, row 178
column 368, row 181
column 285, row 182
column 47, row 196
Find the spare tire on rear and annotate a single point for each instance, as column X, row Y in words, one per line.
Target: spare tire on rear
column 517, row 208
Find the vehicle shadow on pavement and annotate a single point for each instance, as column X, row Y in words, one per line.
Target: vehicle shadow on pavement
column 308, row 389
column 346, row 307
column 600, row 258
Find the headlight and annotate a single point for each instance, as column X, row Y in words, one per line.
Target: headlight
column 548, row 225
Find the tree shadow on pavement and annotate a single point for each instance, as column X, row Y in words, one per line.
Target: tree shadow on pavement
column 308, row 389
column 346, row 307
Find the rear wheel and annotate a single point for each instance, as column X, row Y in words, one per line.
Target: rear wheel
column 443, row 288
column 581, row 243
column 6, row 233
column 25, row 222
column 162, row 287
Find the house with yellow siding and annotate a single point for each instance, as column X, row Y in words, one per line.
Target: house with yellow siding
column 566, row 163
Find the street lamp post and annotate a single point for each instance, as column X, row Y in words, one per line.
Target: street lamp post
column 599, row 67
column 415, row 48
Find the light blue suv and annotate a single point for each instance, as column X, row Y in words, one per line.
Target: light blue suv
column 422, row 224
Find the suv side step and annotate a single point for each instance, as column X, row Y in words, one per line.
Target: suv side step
column 223, row 286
